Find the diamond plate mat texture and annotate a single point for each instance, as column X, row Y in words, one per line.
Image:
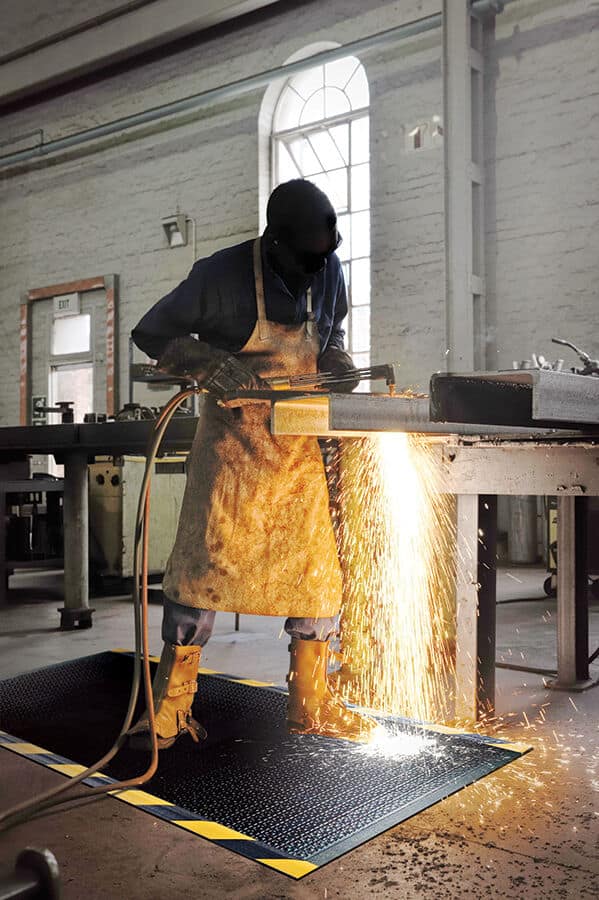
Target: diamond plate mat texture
column 292, row 802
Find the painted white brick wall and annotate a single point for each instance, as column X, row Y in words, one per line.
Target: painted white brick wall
column 542, row 168
column 100, row 212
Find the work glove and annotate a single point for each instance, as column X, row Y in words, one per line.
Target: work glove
column 338, row 362
column 215, row 370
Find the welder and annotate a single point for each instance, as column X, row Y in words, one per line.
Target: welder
column 255, row 534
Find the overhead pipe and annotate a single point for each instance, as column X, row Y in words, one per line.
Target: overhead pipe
column 243, row 85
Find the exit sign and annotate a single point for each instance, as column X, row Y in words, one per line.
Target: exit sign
column 66, row 305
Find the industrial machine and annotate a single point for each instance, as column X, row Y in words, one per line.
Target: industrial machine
column 114, row 486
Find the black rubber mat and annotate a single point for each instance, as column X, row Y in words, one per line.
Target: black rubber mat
column 284, row 798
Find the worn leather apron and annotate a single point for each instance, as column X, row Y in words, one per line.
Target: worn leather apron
column 255, row 534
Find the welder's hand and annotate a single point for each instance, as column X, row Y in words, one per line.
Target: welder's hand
column 229, row 375
column 339, row 363
column 214, row 369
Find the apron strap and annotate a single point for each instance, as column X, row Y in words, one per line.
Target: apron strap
column 309, row 316
column 263, row 331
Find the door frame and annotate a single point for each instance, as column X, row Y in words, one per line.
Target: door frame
column 107, row 283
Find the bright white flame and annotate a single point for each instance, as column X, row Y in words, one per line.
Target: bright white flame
column 388, row 745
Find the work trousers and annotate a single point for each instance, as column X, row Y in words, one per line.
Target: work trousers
column 185, row 625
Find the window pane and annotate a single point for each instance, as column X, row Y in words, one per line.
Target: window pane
column 334, row 184
column 337, row 160
column 306, row 83
column 344, row 226
column 360, row 187
column 70, row 334
column 288, row 111
column 313, row 111
column 336, row 103
column 347, row 274
column 339, row 72
column 75, row 383
column 360, row 279
column 304, row 157
column 360, row 226
column 360, row 142
column 357, row 89
column 286, row 168
column 360, row 330
column 325, row 149
column 340, row 135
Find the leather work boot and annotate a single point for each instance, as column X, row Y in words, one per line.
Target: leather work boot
column 314, row 708
column 174, row 686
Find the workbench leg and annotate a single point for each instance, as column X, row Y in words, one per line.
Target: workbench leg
column 76, row 612
column 572, row 596
column 487, row 603
column 475, row 607
column 466, row 607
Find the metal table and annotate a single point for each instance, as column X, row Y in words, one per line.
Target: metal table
column 477, row 463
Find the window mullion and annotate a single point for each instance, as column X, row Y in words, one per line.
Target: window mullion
column 301, row 131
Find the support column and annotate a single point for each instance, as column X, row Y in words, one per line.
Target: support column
column 475, row 607
column 76, row 612
column 487, row 603
column 572, row 596
column 464, row 210
column 466, row 607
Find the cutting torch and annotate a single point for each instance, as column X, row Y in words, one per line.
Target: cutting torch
column 386, row 371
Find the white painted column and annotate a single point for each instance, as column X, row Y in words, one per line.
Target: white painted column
column 464, row 208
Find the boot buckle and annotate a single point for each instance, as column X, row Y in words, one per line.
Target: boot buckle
column 188, row 687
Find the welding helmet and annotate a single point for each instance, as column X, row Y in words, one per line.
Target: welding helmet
column 301, row 227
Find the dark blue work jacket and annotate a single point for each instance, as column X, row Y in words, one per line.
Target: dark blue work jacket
column 217, row 301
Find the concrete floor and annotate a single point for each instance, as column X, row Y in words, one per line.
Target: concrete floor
column 530, row 830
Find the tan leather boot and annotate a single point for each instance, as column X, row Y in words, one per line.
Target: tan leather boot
column 174, row 686
column 314, row 708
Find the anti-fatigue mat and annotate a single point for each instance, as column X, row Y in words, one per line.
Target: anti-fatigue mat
column 292, row 802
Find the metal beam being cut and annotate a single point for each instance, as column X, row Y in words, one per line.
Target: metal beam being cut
column 526, row 398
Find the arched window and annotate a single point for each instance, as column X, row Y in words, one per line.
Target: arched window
column 321, row 132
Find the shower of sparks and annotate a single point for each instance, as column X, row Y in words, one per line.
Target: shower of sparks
column 398, row 546
column 513, row 577
column 397, row 539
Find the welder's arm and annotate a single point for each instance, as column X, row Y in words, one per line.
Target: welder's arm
column 214, row 369
column 182, row 312
column 165, row 334
column 334, row 358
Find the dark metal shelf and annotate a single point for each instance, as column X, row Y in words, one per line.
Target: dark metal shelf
column 49, row 563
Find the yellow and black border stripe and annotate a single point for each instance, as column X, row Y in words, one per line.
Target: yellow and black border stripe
column 162, row 809
column 219, row 834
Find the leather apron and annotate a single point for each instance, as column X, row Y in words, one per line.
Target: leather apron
column 255, row 534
